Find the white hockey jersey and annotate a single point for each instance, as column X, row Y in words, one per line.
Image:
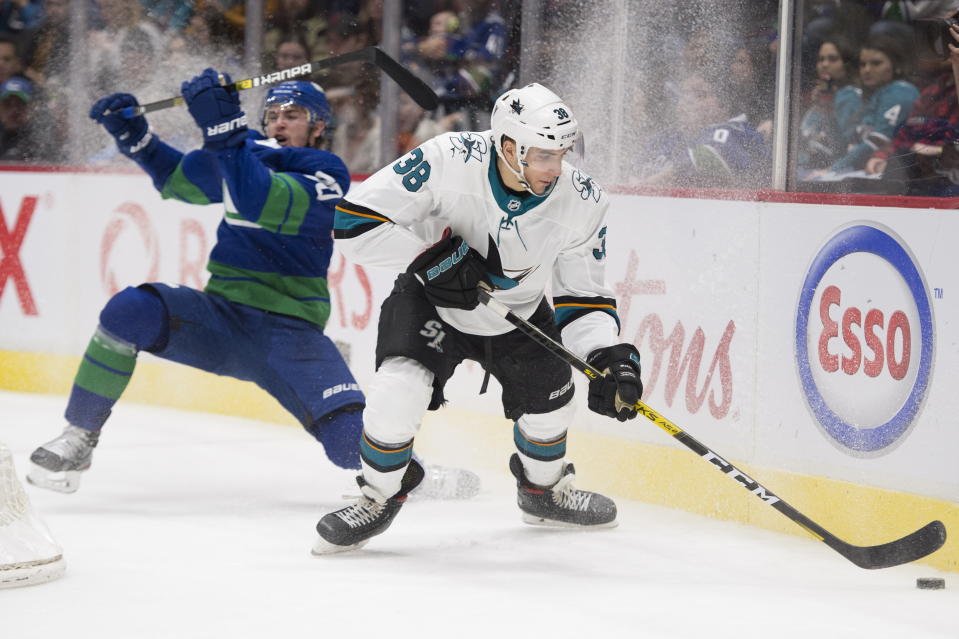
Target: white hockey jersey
column 530, row 243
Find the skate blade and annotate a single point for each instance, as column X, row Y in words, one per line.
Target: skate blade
column 533, row 520
column 66, row 481
column 451, row 485
column 322, row 547
column 32, row 572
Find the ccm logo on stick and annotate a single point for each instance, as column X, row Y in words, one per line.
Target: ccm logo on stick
column 864, row 338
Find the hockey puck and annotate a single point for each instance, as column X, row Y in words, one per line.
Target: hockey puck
column 930, row 583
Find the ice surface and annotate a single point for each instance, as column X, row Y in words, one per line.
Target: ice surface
column 195, row 525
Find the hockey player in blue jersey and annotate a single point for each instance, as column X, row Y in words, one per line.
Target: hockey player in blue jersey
column 262, row 313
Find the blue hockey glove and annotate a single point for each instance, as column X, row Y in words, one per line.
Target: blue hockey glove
column 216, row 110
column 131, row 134
column 616, row 393
column 450, row 272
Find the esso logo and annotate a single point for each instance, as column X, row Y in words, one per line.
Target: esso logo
column 864, row 338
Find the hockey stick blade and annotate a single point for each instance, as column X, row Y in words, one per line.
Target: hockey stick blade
column 421, row 93
column 913, row 546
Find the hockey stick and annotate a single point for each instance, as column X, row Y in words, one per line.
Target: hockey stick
column 421, row 93
column 913, row 546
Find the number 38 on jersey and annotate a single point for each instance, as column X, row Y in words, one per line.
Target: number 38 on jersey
column 414, row 169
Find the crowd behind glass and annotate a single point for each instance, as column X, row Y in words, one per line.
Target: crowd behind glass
column 877, row 105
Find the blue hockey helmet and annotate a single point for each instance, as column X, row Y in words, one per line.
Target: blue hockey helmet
column 308, row 95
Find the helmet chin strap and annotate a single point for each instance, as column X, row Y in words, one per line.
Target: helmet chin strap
column 521, row 175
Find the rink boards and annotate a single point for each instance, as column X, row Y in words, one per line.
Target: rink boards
column 815, row 345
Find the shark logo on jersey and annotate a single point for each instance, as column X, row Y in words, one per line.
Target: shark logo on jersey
column 585, row 185
column 471, row 146
column 516, row 106
column 508, row 280
column 507, row 224
column 521, row 274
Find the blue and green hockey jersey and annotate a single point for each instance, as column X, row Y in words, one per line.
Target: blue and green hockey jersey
column 275, row 242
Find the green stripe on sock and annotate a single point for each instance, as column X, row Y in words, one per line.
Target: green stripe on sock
column 100, row 352
column 95, row 374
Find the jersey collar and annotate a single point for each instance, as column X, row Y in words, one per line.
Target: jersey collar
column 507, row 202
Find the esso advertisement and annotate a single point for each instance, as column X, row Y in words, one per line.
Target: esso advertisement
column 864, row 338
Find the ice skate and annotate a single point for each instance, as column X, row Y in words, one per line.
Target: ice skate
column 446, row 482
column 57, row 464
column 351, row 527
column 561, row 504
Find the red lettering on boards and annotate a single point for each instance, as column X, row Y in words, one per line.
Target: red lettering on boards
column 891, row 351
column 334, row 279
column 134, row 212
column 688, row 364
column 192, row 264
column 10, row 265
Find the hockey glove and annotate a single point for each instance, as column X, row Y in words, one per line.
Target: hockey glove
column 616, row 393
column 450, row 272
column 216, row 110
column 131, row 134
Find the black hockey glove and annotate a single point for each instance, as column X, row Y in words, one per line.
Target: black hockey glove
column 616, row 393
column 131, row 133
column 450, row 272
column 216, row 110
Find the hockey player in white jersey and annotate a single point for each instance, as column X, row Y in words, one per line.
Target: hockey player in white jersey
column 500, row 209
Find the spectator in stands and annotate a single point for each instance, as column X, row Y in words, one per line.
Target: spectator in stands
column 211, row 29
column 482, row 48
column 711, row 146
column 887, row 100
column 49, row 124
column 441, row 54
column 346, row 33
column 126, row 28
column 934, row 111
column 357, row 139
column 226, row 20
column 9, row 58
column 291, row 51
column 17, row 16
column 171, row 15
column 824, row 19
column 16, row 97
column 923, row 159
column 301, row 20
column 835, row 102
column 371, row 15
column 751, row 74
column 49, row 55
column 910, row 10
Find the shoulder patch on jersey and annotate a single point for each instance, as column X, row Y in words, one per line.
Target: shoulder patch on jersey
column 469, row 145
column 585, row 185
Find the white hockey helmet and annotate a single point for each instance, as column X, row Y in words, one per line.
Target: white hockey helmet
column 532, row 116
